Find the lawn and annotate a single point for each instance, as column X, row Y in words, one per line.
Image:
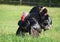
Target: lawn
column 9, row 16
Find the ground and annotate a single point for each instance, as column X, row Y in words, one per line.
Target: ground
column 9, row 16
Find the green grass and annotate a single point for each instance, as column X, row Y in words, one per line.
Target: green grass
column 9, row 16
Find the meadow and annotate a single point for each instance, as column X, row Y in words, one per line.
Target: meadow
column 9, row 16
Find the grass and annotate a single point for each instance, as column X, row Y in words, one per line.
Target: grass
column 9, row 16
